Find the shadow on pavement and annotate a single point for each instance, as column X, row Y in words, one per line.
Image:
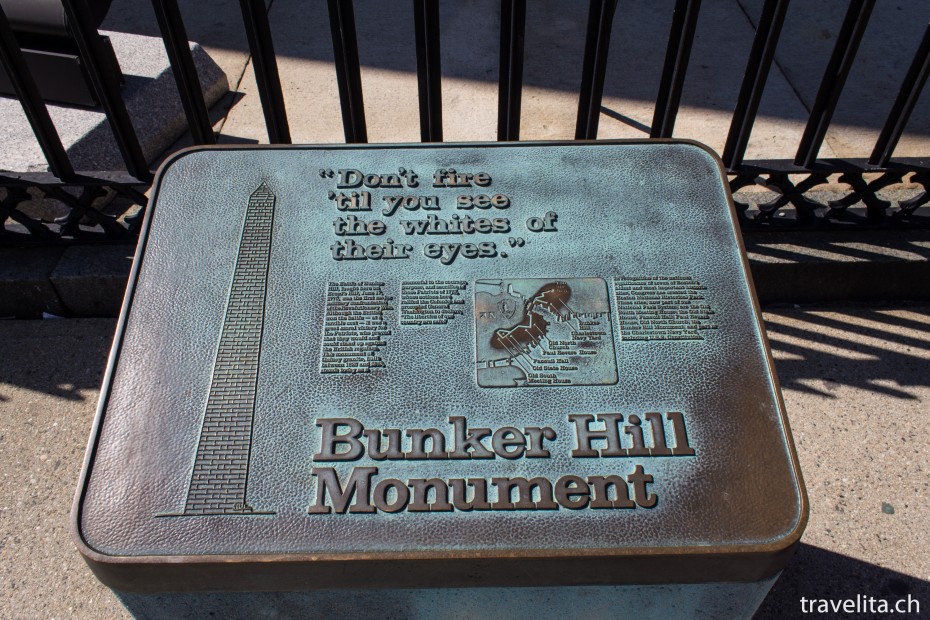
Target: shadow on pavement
column 57, row 357
column 816, row 573
column 816, row 351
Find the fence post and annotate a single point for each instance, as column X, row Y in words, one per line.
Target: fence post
column 429, row 82
column 597, row 43
column 178, row 48
column 36, row 112
column 106, row 84
column 258, row 32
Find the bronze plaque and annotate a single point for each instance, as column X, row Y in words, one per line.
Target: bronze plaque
column 439, row 365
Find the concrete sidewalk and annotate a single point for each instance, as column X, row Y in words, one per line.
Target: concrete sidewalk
column 856, row 379
column 856, row 385
column 554, row 49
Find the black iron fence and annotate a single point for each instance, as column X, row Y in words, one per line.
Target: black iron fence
column 792, row 179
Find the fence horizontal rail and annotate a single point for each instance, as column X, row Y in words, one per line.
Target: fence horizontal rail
column 85, row 195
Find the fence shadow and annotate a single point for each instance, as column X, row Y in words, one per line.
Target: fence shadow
column 815, row 266
column 870, row 349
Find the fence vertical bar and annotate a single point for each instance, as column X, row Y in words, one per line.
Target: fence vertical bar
column 178, row 49
column 677, row 54
column 264, row 63
column 510, row 88
column 39, row 119
column 597, row 44
column 904, row 104
column 429, row 83
column 834, row 78
column 760, row 60
column 105, row 82
column 348, row 72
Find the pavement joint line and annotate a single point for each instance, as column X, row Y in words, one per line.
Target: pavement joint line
column 784, row 74
column 245, row 68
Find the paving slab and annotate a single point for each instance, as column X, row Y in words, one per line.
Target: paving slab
column 555, row 43
column 857, row 391
column 388, row 70
column 301, row 38
column 634, row 68
column 49, row 381
column 554, row 50
column 855, row 385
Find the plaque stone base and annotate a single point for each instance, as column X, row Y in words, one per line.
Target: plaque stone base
column 655, row 602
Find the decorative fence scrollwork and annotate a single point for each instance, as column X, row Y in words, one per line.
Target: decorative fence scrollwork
column 106, row 205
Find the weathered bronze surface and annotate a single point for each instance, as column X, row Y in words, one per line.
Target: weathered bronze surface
column 439, row 365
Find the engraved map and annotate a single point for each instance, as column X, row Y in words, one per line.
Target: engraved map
column 533, row 332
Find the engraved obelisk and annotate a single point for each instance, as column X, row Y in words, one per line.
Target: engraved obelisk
column 221, row 467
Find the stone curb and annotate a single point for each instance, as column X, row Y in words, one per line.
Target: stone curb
column 813, row 267
column 802, row 267
column 79, row 281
